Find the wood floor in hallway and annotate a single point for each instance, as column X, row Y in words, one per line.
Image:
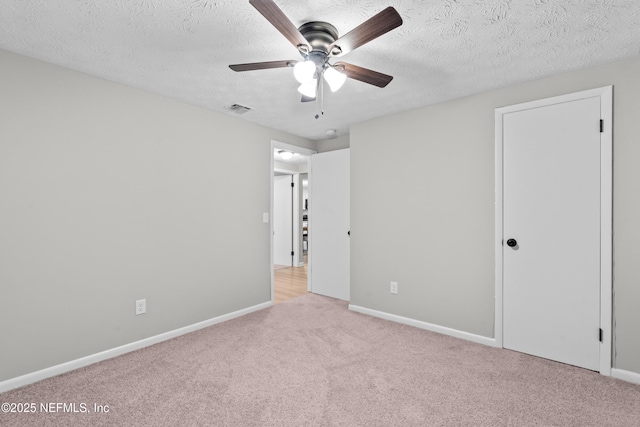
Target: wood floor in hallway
column 289, row 283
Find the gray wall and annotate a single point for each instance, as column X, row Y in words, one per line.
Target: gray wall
column 422, row 207
column 338, row 143
column 110, row 194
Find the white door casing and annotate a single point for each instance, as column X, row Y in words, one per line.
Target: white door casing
column 329, row 224
column 553, row 196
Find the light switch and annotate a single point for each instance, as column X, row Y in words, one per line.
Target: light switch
column 265, row 217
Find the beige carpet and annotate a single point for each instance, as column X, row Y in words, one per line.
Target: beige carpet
column 311, row 362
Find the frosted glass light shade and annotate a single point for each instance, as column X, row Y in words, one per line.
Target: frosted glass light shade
column 285, row 155
column 309, row 89
column 334, row 78
column 303, row 71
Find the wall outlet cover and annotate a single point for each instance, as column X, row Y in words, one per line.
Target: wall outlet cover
column 141, row 306
column 394, row 287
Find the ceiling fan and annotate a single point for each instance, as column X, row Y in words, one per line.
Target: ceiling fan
column 318, row 42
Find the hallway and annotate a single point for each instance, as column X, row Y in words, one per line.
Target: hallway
column 289, row 282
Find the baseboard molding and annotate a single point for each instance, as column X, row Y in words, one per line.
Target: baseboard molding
column 621, row 374
column 42, row 374
column 425, row 325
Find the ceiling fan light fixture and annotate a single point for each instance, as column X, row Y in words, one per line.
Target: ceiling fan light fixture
column 303, row 71
column 308, row 89
column 334, row 78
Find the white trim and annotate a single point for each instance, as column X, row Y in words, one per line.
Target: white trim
column 52, row 371
column 425, row 325
column 498, row 229
column 606, row 229
column 621, row 374
column 606, row 206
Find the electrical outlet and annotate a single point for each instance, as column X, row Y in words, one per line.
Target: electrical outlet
column 141, row 306
column 394, row 287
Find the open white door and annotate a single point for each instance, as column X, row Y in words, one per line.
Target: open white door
column 329, row 224
column 282, row 220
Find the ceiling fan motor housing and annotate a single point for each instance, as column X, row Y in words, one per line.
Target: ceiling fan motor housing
column 319, row 34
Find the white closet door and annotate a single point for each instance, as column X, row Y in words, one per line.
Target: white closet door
column 551, row 229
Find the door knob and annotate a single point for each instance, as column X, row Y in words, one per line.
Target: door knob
column 512, row 242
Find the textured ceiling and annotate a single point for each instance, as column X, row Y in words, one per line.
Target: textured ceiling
column 445, row 49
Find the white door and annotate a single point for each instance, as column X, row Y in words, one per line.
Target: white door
column 329, row 224
column 282, row 220
column 552, row 230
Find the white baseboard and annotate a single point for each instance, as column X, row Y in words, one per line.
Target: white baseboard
column 42, row 374
column 425, row 325
column 621, row 374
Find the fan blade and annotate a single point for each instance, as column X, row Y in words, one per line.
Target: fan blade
column 307, row 99
column 370, row 29
column 363, row 74
column 278, row 19
column 262, row 65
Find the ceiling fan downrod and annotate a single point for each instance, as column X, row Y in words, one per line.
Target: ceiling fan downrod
column 319, row 99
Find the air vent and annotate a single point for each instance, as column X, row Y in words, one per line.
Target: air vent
column 237, row 108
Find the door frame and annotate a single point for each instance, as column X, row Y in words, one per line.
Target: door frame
column 606, row 212
column 294, row 149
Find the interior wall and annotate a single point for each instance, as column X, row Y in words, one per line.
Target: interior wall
column 338, row 143
column 112, row 194
column 280, row 167
column 422, row 207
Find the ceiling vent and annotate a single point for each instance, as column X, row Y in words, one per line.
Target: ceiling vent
column 237, row 108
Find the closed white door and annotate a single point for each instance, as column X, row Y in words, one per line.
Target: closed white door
column 282, row 220
column 551, row 231
column 329, row 224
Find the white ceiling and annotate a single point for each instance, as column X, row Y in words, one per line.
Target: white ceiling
column 445, row 49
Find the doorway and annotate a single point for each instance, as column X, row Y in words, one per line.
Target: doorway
column 553, row 228
column 289, row 231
